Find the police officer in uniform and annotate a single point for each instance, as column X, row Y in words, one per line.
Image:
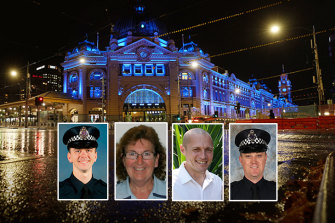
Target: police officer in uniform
column 81, row 142
column 253, row 144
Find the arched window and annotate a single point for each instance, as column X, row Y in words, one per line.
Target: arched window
column 144, row 96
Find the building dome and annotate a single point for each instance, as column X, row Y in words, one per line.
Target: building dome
column 139, row 24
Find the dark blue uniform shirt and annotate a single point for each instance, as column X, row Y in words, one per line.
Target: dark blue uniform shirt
column 247, row 190
column 72, row 188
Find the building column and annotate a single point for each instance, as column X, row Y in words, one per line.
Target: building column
column 83, row 92
column 65, row 82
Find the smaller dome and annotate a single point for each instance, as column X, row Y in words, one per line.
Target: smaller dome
column 190, row 47
column 85, row 46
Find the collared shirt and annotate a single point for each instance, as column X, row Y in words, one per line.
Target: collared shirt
column 184, row 187
column 72, row 188
column 243, row 190
column 158, row 191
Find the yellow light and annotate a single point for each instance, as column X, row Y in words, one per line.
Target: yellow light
column 13, row 73
column 237, row 91
column 194, row 64
column 82, row 60
column 274, row 29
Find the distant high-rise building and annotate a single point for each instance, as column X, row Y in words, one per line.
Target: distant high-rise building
column 45, row 78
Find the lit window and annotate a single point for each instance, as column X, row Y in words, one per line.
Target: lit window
column 205, row 78
column 95, row 92
column 126, row 70
column 186, row 91
column 73, row 78
column 185, row 76
column 74, row 93
column 160, row 70
column 96, row 76
column 149, row 71
column 138, row 70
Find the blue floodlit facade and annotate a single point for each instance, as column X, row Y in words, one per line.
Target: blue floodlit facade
column 147, row 78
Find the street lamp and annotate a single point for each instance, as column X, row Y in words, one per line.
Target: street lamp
column 13, row 73
column 274, row 29
column 194, row 64
column 82, row 60
column 321, row 95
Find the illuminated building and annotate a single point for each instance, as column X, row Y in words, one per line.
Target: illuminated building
column 45, row 78
column 141, row 74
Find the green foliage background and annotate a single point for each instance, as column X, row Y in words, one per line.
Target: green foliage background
column 216, row 133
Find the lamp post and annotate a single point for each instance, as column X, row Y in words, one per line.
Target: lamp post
column 27, row 79
column 102, row 98
column 321, row 93
column 319, row 82
column 27, row 97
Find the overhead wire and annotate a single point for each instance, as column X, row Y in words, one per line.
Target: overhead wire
column 223, row 18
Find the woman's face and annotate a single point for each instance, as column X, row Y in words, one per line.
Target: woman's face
column 140, row 170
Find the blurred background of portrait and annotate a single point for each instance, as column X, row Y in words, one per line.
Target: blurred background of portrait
column 236, row 170
column 215, row 130
column 99, row 167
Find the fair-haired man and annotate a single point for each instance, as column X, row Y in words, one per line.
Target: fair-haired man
column 192, row 180
column 253, row 144
column 81, row 142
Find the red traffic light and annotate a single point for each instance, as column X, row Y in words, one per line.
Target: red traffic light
column 38, row 101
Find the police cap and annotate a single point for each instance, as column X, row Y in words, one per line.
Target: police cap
column 81, row 137
column 252, row 140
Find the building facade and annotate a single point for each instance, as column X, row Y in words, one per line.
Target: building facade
column 142, row 77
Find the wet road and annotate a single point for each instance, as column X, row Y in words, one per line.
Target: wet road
column 28, row 185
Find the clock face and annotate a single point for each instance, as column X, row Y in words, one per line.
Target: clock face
column 143, row 54
column 284, row 89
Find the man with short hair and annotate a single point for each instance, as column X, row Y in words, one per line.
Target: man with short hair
column 81, row 142
column 253, row 144
column 192, row 180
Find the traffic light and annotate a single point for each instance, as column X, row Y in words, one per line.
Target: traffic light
column 38, row 101
column 178, row 117
column 216, row 114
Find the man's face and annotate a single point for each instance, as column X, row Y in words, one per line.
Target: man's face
column 82, row 159
column 253, row 165
column 140, row 170
column 198, row 153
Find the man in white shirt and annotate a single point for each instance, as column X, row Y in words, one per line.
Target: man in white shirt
column 192, row 180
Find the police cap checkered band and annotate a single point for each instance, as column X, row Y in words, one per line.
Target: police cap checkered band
column 252, row 140
column 81, row 137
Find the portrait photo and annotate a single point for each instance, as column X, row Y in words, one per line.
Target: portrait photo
column 197, row 160
column 82, row 161
column 141, row 160
column 253, row 162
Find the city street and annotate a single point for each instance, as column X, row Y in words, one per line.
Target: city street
column 28, row 184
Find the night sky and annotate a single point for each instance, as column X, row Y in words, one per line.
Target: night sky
column 40, row 29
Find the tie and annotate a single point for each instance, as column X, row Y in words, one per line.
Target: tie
column 255, row 192
column 85, row 192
